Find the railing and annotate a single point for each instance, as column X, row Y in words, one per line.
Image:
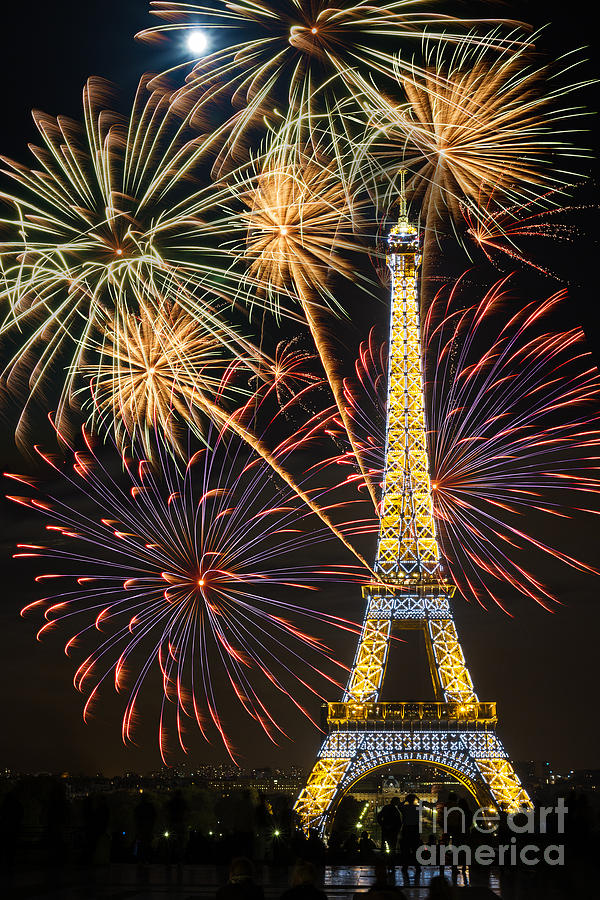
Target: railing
column 422, row 586
column 343, row 713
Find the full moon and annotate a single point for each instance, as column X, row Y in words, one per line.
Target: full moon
column 197, row 42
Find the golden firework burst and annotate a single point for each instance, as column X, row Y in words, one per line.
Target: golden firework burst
column 149, row 375
column 476, row 126
column 301, row 227
column 303, row 56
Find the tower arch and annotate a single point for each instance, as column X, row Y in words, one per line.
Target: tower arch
column 459, row 771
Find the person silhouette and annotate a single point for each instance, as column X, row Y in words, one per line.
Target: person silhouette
column 11, row 818
column 366, row 846
column 439, row 889
column 458, row 818
column 411, row 836
column 315, row 848
column 177, row 815
column 145, row 816
column 241, row 884
column 304, row 883
column 389, row 818
column 351, row 847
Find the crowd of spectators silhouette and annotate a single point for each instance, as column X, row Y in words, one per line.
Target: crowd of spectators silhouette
column 40, row 825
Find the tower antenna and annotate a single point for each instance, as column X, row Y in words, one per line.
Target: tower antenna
column 403, row 222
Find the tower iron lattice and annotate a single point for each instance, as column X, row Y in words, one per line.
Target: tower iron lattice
column 455, row 732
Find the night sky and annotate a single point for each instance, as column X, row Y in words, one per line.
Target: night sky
column 540, row 667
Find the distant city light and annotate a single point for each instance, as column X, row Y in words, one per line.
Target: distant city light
column 197, row 42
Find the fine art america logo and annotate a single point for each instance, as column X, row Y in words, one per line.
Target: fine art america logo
column 509, row 832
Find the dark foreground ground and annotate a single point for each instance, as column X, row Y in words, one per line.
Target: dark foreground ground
column 185, row 882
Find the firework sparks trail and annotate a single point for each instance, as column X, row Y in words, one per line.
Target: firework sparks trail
column 292, row 374
column 305, row 55
column 510, row 430
column 301, row 227
column 110, row 223
column 233, row 422
column 477, row 126
column 500, row 231
column 186, row 570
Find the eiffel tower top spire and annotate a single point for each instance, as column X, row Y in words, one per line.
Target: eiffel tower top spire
column 403, row 223
column 404, row 236
column 407, row 546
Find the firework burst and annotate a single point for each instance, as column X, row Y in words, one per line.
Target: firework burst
column 112, row 221
column 188, row 573
column 478, row 125
column 148, row 376
column 301, row 228
column 293, row 377
column 300, row 225
column 500, row 233
column 303, row 55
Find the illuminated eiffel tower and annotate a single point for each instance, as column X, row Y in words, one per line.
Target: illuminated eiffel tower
column 457, row 731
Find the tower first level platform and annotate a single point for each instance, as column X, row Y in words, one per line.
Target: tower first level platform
column 456, row 732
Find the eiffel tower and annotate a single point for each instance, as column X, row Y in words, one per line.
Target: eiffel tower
column 456, row 732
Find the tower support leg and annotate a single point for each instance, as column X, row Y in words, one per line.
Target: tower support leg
column 321, row 791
